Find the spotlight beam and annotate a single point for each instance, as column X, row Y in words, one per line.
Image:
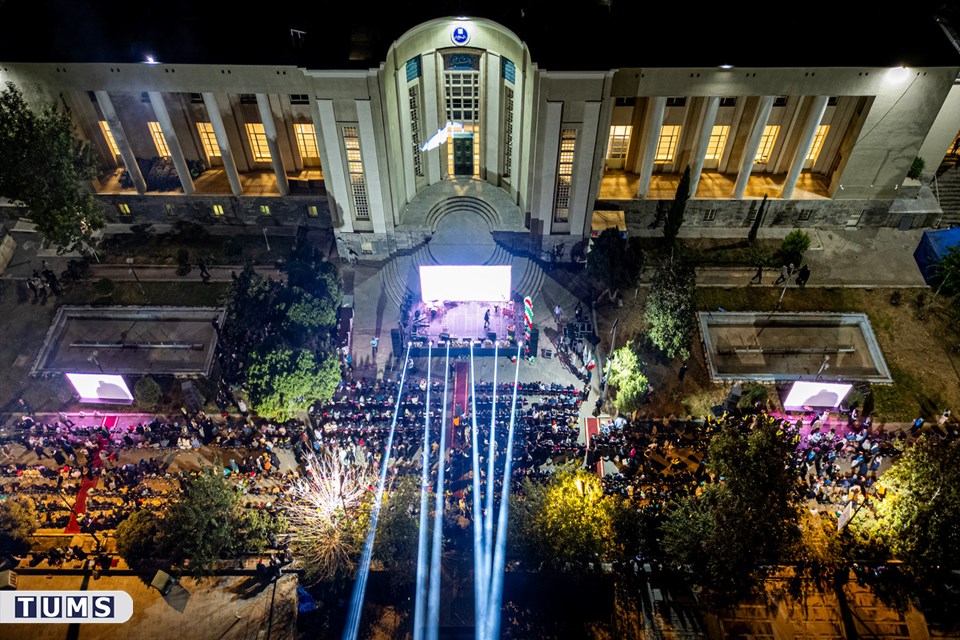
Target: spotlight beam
column 433, row 609
column 422, row 558
column 479, row 579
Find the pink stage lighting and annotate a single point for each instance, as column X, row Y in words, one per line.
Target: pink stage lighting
column 815, row 395
column 465, row 283
column 100, row 388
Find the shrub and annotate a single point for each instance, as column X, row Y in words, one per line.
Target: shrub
column 752, row 394
column 147, row 392
column 103, row 287
column 233, row 250
column 793, row 246
column 916, row 169
column 183, row 261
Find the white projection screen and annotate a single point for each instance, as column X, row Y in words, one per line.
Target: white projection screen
column 100, row 388
column 465, row 283
column 816, row 395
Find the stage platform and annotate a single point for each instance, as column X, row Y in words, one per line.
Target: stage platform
column 485, row 325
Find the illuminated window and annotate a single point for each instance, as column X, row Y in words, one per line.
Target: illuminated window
column 312, row 211
column 307, row 141
column 507, row 131
column 568, row 148
column 766, row 143
column 818, row 139
column 218, row 209
column 463, row 106
column 158, row 140
column 258, row 142
column 718, row 140
column 108, row 135
column 358, row 185
column 169, row 209
column 618, row 142
column 414, row 103
column 667, row 144
column 209, row 139
column 124, row 209
column 264, row 209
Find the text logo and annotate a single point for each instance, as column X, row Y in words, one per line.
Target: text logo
column 108, row 607
column 460, row 36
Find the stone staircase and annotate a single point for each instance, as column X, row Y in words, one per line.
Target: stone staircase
column 948, row 188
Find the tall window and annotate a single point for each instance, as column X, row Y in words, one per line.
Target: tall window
column 718, row 140
column 414, row 103
column 158, row 140
column 108, row 136
column 209, row 140
column 307, row 141
column 358, row 185
column 463, row 106
column 766, row 143
column 667, row 144
column 568, row 148
column 818, row 139
column 507, row 131
column 258, row 142
column 618, row 142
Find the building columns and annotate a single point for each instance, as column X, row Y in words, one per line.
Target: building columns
column 651, row 136
column 173, row 143
column 432, row 157
column 548, row 168
column 818, row 107
column 703, row 141
column 129, row 160
column 333, row 176
column 270, row 129
column 581, row 208
column 491, row 154
column 223, row 143
column 371, row 165
column 753, row 143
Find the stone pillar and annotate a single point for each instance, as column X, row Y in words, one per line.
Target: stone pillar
column 581, row 209
column 334, row 177
column 223, row 143
column 407, row 151
column 753, row 143
column 818, row 107
column 651, row 136
column 703, row 140
column 548, row 166
column 270, row 129
column 432, row 158
column 173, row 143
column 371, row 165
column 129, row 160
column 490, row 153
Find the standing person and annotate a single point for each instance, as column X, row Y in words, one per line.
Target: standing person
column 486, row 320
column 202, row 265
column 33, row 287
column 556, row 312
column 758, row 276
column 578, row 311
column 51, row 279
column 803, row 275
column 784, row 274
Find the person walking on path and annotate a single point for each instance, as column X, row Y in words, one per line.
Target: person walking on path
column 784, row 274
column 758, row 276
column 202, row 265
column 556, row 312
column 803, row 275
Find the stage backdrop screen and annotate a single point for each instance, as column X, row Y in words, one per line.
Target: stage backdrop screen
column 102, row 388
column 816, row 395
column 479, row 283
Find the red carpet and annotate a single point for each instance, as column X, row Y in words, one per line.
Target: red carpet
column 81, row 505
column 461, row 386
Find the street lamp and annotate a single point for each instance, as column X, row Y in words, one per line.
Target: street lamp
column 823, row 366
column 93, row 358
column 136, row 277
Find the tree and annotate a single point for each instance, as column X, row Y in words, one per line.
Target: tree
column 18, row 521
column 397, row 529
column 147, row 392
column 567, row 520
column 670, row 307
column 758, row 220
column 946, row 277
column 47, row 169
column 614, row 261
column 793, row 246
column 748, row 519
column 921, row 508
column 675, row 214
column 916, row 168
column 284, row 382
column 139, row 538
column 205, row 524
column 623, row 372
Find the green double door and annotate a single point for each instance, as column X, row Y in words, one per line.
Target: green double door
column 463, row 154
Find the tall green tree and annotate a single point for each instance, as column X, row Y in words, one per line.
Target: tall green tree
column 671, row 226
column 47, row 169
column 139, row 538
column 946, row 277
column 284, row 382
column 758, row 220
column 670, row 307
column 18, row 522
column 614, row 261
column 746, row 520
column 624, row 373
column 921, row 509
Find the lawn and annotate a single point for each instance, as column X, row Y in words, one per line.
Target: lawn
column 918, row 341
column 164, row 248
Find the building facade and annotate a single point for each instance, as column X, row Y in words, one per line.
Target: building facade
column 459, row 107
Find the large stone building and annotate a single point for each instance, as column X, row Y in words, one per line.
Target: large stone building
column 460, row 115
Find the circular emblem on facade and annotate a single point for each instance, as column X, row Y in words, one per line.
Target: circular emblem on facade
column 459, row 35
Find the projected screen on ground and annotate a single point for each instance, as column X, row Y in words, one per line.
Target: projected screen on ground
column 815, row 395
column 484, row 284
column 99, row 387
